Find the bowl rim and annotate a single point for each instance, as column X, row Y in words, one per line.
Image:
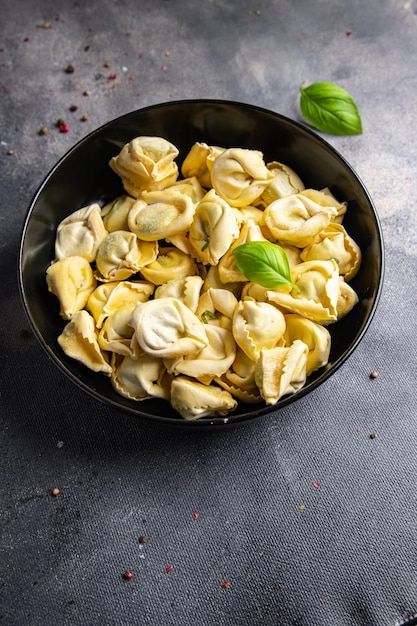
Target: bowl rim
column 258, row 410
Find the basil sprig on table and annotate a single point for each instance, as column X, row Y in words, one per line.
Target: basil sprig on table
column 330, row 108
column 264, row 263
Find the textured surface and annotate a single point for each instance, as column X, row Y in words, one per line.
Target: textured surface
column 347, row 557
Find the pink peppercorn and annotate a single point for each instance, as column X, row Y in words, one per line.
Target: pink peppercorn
column 127, row 575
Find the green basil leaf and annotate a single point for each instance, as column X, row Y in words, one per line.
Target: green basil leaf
column 330, row 108
column 264, row 263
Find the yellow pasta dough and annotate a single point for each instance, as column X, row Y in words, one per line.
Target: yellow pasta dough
column 152, row 295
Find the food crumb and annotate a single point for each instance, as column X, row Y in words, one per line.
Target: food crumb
column 60, row 444
column 301, row 507
column 55, row 491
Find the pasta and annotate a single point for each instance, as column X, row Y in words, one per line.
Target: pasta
column 151, row 294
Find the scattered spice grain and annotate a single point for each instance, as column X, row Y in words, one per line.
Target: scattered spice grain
column 73, row 107
column 169, row 568
column 373, row 374
column 196, row 515
column 10, row 152
column 316, row 485
column 225, row 584
column 143, row 539
column 373, row 436
column 84, row 117
column 55, row 492
column 43, row 130
column 86, row 92
column 127, row 575
column 70, row 68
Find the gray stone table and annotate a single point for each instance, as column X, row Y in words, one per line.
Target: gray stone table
column 348, row 556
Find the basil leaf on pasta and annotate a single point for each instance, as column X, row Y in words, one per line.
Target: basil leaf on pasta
column 264, row 263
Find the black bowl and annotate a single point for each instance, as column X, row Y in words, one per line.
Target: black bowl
column 83, row 176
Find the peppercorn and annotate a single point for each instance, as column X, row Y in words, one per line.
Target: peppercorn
column 70, row 68
column 55, row 491
column 43, row 130
column 373, row 374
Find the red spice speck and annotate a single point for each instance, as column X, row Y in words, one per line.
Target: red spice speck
column 26, row 39
column 316, row 485
column 196, row 515
column 164, row 68
column 73, row 107
column 348, row 33
column 140, row 55
column 225, row 584
column 127, row 575
column 63, row 128
column 169, row 568
column 112, row 77
column 130, row 78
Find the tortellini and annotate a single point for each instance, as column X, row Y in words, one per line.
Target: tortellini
column 80, row 234
column 167, row 328
column 213, row 229
column 162, row 214
column 240, row 176
column 194, row 400
column 79, row 341
column 281, row 371
column 146, row 163
column 122, row 254
column 297, row 220
column 169, row 265
column 151, row 295
column 72, row 281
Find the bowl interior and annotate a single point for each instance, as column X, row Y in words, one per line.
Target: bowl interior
column 83, row 176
